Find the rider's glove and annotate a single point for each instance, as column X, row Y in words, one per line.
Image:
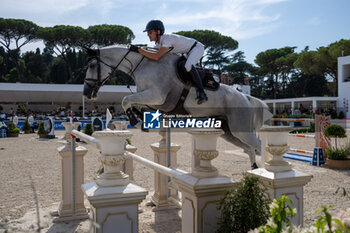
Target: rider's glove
column 134, row 48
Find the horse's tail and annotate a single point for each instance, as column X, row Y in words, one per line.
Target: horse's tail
column 261, row 112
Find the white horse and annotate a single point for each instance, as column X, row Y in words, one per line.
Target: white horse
column 159, row 88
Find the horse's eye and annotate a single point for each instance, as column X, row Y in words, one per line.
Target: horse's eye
column 92, row 66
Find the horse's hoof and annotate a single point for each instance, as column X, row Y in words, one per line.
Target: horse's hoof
column 133, row 121
column 145, row 130
column 254, row 166
column 202, row 99
column 137, row 112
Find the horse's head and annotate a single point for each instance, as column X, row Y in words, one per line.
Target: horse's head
column 101, row 65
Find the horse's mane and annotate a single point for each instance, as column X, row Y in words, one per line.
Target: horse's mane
column 123, row 46
column 169, row 57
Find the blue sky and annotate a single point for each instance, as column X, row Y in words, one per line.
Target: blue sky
column 257, row 25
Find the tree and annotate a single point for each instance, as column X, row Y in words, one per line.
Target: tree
column 324, row 61
column 58, row 71
column 62, row 39
column 257, row 83
column 276, row 64
column 36, row 68
column 104, row 35
column 303, row 85
column 239, row 69
column 216, row 45
column 19, row 31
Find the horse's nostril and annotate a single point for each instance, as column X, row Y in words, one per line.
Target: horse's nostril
column 87, row 93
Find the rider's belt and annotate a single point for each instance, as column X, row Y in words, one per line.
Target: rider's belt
column 194, row 45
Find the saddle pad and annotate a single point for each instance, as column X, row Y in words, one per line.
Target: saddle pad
column 209, row 83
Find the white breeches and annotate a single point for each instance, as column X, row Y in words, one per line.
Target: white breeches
column 194, row 56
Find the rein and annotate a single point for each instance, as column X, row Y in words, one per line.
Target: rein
column 99, row 82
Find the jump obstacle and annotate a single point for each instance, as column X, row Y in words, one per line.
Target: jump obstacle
column 114, row 197
column 321, row 141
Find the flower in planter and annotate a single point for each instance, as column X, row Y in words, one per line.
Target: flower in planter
column 342, row 220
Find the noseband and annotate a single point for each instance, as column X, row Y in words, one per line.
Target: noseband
column 99, row 82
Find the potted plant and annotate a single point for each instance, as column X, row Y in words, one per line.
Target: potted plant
column 26, row 127
column 88, row 129
column 12, row 130
column 244, row 207
column 338, row 158
column 41, row 130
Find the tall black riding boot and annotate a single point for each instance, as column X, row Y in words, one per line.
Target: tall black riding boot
column 202, row 97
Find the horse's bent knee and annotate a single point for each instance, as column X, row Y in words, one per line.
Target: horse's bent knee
column 125, row 103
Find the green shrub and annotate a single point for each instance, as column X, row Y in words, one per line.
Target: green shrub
column 245, row 207
column 11, row 128
column 26, row 127
column 312, row 127
column 301, row 130
column 337, row 154
column 88, row 129
column 347, row 148
column 335, row 131
column 41, row 129
column 334, row 115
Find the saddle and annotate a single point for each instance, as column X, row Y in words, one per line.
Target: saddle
column 209, row 83
column 208, row 80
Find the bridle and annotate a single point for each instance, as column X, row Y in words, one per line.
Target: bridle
column 99, row 82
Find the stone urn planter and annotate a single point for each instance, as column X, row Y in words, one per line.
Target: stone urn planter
column 12, row 134
column 342, row 164
column 42, row 135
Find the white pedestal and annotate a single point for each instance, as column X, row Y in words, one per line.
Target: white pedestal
column 65, row 210
column 203, row 188
column 200, row 197
column 278, row 175
column 288, row 183
column 115, row 209
column 113, row 197
column 160, row 197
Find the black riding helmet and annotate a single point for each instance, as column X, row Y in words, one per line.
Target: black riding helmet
column 155, row 25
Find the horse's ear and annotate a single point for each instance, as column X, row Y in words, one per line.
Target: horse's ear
column 90, row 52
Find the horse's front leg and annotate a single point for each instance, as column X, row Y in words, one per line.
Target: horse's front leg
column 146, row 97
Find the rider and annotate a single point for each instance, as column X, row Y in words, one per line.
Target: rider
column 193, row 49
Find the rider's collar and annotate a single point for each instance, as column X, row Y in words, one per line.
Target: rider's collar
column 158, row 41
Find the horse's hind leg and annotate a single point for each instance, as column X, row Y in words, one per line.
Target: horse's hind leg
column 247, row 149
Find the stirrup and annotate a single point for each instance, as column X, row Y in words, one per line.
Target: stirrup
column 202, row 97
column 131, row 116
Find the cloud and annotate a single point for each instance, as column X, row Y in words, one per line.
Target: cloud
column 314, row 21
column 237, row 18
column 43, row 6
